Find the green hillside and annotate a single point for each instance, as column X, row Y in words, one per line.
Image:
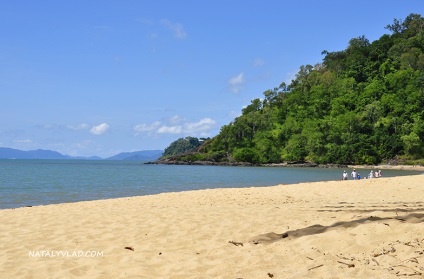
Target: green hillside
column 181, row 146
column 361, row 105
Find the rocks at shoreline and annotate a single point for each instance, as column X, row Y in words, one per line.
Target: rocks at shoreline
column 244, row 164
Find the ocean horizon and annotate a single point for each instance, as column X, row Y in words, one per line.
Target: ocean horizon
column 41, row 182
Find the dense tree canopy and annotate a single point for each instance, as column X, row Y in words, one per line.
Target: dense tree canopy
column 181, row 146
column 360, row 105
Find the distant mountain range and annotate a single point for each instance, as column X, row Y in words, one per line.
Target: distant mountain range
column 10, row 153
column 145, row 155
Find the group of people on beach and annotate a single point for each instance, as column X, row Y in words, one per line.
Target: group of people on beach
column 356, row 176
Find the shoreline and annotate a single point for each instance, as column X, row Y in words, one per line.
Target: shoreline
column 409, row 170
column 29, row 205
column 390, row 167
column 340, row 229
column 306, row 165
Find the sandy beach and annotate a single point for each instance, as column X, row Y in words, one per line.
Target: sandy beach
column 338, row 229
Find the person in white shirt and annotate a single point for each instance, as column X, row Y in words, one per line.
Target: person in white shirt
column 344, row 177
column 354, row 174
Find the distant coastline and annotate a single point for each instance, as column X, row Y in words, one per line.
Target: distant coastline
column 12, row 154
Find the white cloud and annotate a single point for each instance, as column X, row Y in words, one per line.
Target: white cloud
column 176, row 28
column 100, row 129
column 176, row 119
column 146, row 127
column 82, row 126
column 236, row 82
column 202, row 127
column 169, row 130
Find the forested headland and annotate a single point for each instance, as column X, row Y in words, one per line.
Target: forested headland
column 360, row 105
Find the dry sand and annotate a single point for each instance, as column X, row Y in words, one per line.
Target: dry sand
column 338, row 229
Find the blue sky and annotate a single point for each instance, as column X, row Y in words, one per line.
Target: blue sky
column 99, row 77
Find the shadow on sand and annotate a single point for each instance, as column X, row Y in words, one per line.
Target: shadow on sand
column 317, row 229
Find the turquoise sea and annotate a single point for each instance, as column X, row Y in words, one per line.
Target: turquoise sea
column 40, row 182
